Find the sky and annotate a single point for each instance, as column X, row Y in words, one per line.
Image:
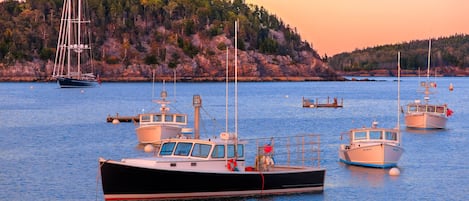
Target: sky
column 335, row 26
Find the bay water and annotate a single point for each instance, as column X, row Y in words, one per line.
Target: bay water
column 51, row 138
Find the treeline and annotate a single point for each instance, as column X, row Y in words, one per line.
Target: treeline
column 452, row 51
column 30, row 29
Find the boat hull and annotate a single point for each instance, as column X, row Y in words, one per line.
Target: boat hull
column 378, row 155
column 425, row 120
column 155, row 133
column 124, row 182
column 75, row 83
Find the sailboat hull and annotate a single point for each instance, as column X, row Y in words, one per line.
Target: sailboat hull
column 75, row 83
column 425, row 120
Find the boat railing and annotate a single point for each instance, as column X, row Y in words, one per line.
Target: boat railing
column 299, row 150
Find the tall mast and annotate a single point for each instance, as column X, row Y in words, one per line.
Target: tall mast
column 236, row 77
column 398, row 88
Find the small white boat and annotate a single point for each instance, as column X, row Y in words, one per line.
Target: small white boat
column 372, row 147
column 156, row 126
column 426, row 115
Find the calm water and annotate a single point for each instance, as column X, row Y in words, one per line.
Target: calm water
column 51, row 138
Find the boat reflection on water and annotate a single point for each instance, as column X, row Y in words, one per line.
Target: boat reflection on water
column 374, row 176
column 423, row 131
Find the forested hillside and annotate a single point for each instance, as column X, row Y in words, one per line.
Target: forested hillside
column 132, row 37
column 446, row 53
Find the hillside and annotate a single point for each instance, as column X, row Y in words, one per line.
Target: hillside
column 449, row 57
column 133, row 37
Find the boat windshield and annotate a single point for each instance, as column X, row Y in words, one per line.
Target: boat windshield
column 375, row 135
column 391, row 135
column 180, row 119
column 201, row 150
column 183, row 149
column 219, row 151
column 167, row 148
column 361, row 135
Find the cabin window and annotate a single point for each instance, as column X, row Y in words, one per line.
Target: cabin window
column 360, row 135
column 218, row 151
column 440, row 109
column 167, row 148
column 168, row 118
column 201, row 150
column 145, row 118
column 422, row 108
column 180, row 119
column 157, row 118
column 412, row 109
column 231, row 150
column 183, row 149
column 375, row 135
column 431, row 109
column 391, row 135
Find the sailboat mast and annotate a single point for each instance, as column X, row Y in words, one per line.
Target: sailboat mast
column 398, row 89
column 428, row 60
column 79, row 47
column 69, row 36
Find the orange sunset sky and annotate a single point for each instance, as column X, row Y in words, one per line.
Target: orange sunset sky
column 335, row 26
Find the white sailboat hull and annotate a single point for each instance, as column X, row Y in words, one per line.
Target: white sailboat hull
column 378, row 155
column 425, row 120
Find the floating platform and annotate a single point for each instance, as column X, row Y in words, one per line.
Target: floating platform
column 110, row 118
column 334, row 104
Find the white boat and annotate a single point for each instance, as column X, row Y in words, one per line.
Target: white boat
column 156, row 126
column 73, row 67
column 374, row 146
column 426, row 115
column 217, row 167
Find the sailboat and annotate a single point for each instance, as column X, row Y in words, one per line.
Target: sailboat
column 426, row 115
column 73, row 59
column 373, row 146
column 216, row 167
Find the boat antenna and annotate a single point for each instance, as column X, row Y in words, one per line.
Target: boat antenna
column 428, row 59
column 174, row 83
column 153, row 85
column 236, row 77
column 398, row 88
column 226, row 95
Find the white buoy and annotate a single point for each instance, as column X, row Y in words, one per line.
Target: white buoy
column 82, row 91
column 394, row 171
column 115, row 121
column 148, row 148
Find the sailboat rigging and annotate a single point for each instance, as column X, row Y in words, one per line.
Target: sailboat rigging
column 73, row 66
